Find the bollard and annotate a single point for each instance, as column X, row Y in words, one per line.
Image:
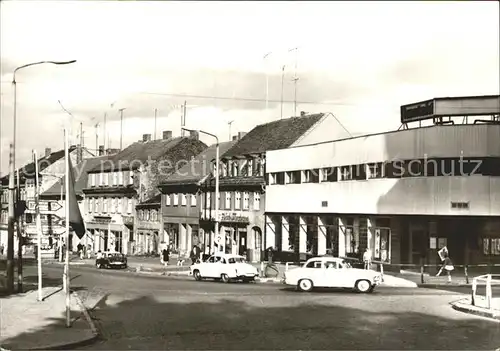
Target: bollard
column 473, row 297
column 422, row 274
column 466, row 271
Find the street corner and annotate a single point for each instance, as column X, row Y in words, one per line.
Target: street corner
column 465, row 306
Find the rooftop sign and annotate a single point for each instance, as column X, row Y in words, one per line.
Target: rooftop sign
column 451, row 107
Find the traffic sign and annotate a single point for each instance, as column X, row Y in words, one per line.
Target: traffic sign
column 44, row 206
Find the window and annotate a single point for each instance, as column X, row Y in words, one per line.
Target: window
column 147, row 215
column 115, row 178
column 249, row 167
column 314, row 264
column 89, row 205
column 277, row 178
column 235, row 171
column 101, row 179
column 193, row 200
column 491, row 246
column 92, row 179
column 237, row 200
column 154, row 215
column 168, row 200
column 331, row 265
column 119, row 205
column 106, row 179
column 223, row 169
column 246, row 200
column 129, row 206
column 346, row 173
column 131, row 177
column 140, row 215
column 376, row 170
column 460, row 205
column 93, row 205
column 256, row 201
column 176, row 199
column 120, row 178
column 183, row 200
column 311, row 176
column 293, row 177
column 208, row 201
column 105, row 205
column 113, row 205
column 228, row 200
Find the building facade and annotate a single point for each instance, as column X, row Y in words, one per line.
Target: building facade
column 181, row 202
column 126, row 180
column 403, row 194
column 51, row 167
column 243, row 185
column 150, row 236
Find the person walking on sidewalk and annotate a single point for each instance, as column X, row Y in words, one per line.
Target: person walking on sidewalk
column 447, row 266
column 165, row 255
column 367, row 258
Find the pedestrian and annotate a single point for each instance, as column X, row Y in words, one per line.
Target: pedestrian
column 165, row 255
column 1, row 249
column 447, row 266
column 367, row 258
column 195, row 254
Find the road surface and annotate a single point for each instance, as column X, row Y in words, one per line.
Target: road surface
column 137, row 312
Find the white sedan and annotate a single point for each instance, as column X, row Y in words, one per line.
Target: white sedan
column 331, row 272
column 225, row 267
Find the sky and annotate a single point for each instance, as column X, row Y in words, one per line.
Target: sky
column 357, row 60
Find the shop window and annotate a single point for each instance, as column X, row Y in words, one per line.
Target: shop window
column 376, row 170
column 346, row 173
column 382, row 244
column 329, row 174
column 311, row 176
column 491, row 246
column 293, row 177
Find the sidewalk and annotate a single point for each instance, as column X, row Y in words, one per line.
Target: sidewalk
column 480, row 307
column 27, row 324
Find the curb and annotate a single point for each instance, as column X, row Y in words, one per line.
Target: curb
column 437, row 286
column 77, row 343
column 475, row 311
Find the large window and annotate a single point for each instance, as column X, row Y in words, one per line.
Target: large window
column 491, row 246
column 311, row 176
column 329, row 174
column 227, row 204
column 237, row 200
column 293, row 177
column 256, row 201
column 246, row 200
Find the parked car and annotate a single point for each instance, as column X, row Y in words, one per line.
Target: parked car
column 225, row 267
column 109, row 259
column 331, row 272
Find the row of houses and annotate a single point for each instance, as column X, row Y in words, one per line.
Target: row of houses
column 302, row 187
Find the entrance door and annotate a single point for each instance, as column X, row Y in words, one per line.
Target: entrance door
column 242, row 245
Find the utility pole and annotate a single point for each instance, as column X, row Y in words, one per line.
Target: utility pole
column 295, row 79
column 104, row 132
column 97, row 139
column 282, row 87
column 183, row 121
column 154, row 134
column 80, row 147
column 121, row 128
column 19, row 241
column 230, row 123
column 10, row 237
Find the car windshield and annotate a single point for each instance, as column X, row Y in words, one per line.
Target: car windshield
column 115, row 255
column 236, row 260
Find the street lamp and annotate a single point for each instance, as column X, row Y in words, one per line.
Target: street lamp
column 216, row 231
column 10, row 238
column 267, row 81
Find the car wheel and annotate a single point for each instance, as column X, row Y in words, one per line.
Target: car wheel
column 224, row 277
column 363, row 286
column 305, row 285
column 197, row 275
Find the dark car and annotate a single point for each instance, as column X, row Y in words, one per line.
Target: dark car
column 111, row 260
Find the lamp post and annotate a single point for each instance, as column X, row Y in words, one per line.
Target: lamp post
column 216, row 230
column 267, row 81
column 10, row 238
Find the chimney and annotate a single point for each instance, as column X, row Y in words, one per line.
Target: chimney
column 194, row 135
column 48, row 151
column 235, row 137
column 101, row 150
column 167, row 134
column 241, row 135
column 146, row 137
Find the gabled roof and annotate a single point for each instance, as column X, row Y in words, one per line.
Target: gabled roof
column 199, row 167
column 28, row 171
column 274, row 135
column 80, row 171
column 141, row 152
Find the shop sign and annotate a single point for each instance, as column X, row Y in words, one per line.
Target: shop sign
column 128, row 220
column 233, row 217
column 102, row 220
